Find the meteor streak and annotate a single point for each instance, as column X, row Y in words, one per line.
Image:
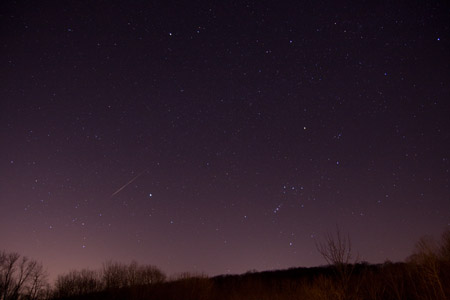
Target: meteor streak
column 126, row 184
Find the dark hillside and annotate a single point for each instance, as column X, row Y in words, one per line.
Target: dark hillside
column 382, row 281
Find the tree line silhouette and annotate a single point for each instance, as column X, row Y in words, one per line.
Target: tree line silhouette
column 425, row 275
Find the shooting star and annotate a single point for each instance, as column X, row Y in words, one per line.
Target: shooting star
column 128, row 183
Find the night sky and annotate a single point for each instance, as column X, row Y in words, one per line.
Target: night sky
column 222, row 136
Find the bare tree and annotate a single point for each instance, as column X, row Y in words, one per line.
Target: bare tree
column 38, row 287
column 20, row 277
column 7, row 270
column 77, row 283
column 118, row 275
column 445, row 246
column 114, row 275
column 336, row 249
column 149, row 274
column 427, row 262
